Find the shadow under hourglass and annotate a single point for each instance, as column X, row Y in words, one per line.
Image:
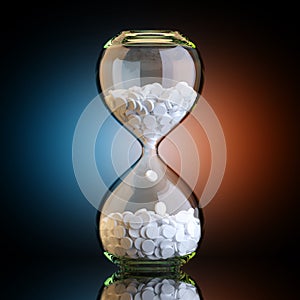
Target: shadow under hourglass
column 125, row 287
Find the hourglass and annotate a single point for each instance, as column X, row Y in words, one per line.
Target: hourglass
column 150, row 80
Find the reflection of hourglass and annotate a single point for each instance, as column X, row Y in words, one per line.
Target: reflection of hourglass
column 176, row 286
column 150, row 216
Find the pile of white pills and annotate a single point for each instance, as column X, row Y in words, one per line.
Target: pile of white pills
column 154, row 289
column 151, row 110
column 152, row 235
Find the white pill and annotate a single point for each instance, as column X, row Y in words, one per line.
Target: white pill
column 104, row 232
column 192, row 97
column 158, row 241
column 143, row 111
column 150, row 255
column 131, row 252
column 175, row 97
column 152, row 232
column 151, row 175
column 133, row 95
column 190, row 228
column 105, row 219
column 156, row 279
column 167, row 289
column 181, row 248
column 164, row 129
column 175, row 108
column 119, row 231
column 160, row 208
column 138, row 296
column 164, row 120
column 165, row 280
column 184, row 89
column 120, row 113
column 182, row 83
column 167, row 252
column 182, row 217
column 171, row 281
column 134, row 233
column 120, row 288
column 157, row 253
column 110, row 248
column 156, row 297
column 166, row 243
column 149, row 121
column 143, row 232
column 181, row 285
column 191, row 211
column 109, row 100
column 174, row 223
column 140, row 254
column 126, row 243
column 119, row 251
column 157, row 287
column 169, row 105
column 117, row 216
column 148, row 294
column 111, row 223
column 127, row 216
column 135, row 222
column 149, row 104
column 136, row 131
column 179, row 236
column 145, row 90
column 140, row 210
column 177, row 115
column 119, row 102
column 191, row 244
column 168, row 231
column 156, row 89
column 110, row 289
column 131, row 288
column 138, row 242
column 139, row 106
column 126, row 296
column 187, row 294
column 165, row 221
column 145, row 215
column 118, row 92
column 134, row 120
column 131, row 104
column 164, row 96
column 197, row 232
column 148, row 246
column 114, row 241
column 186, row 243
column 160, row 109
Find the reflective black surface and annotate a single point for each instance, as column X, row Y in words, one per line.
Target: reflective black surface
column 215, row 279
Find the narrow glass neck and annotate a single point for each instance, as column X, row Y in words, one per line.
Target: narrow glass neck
column 149, row 143
column 149, row 151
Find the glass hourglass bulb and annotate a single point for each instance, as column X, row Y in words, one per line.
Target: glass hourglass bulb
column 150, row 216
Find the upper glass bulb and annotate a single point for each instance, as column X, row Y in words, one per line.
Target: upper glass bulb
column 150, row 80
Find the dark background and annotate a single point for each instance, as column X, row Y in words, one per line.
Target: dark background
column 48, row 229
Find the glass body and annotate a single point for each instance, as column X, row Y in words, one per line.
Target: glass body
column 150, row 80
